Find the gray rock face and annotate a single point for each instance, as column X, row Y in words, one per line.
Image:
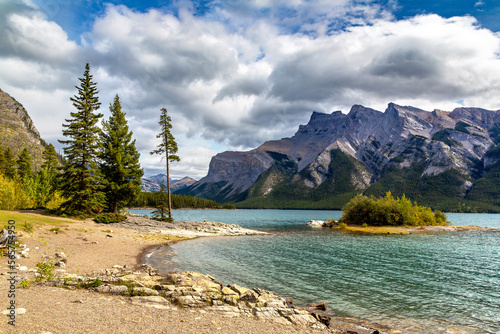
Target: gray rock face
column 17, row 130
column 397, row 138
column 231, row 173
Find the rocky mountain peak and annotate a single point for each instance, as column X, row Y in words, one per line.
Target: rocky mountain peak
column 153, row 183
column 17, row 130
column 403, row 149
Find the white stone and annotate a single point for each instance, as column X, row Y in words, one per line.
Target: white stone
column 316, row 223
column 18, row 311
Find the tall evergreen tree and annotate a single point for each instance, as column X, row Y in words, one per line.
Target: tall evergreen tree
column 9, row 164
column 2, row 161
column 167, row 147
column 119, row 160
column 50, row 160
column 46, row 179
column 81, row 182
column 24, row 165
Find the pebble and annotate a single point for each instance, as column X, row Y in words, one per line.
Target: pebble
column 60, row 255
column 17, row 310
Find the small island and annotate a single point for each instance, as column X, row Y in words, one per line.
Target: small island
column 389, row 215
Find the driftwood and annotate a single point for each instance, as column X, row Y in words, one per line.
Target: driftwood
column 4, row 238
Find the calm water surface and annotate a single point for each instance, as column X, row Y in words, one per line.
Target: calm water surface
column 423, row 283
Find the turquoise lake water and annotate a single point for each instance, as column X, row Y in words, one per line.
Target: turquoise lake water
column 421, row 283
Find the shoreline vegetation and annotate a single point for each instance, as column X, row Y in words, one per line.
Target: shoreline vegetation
column 388, row 211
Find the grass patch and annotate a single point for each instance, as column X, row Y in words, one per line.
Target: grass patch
column 28, row 227
column 29, row 219
column 55, row 230
column 96, row 283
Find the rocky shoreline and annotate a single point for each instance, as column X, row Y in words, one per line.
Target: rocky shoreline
column 175, row 291
column 192, row 290
column 127, row 285
column 195, row 290
column 185, row 229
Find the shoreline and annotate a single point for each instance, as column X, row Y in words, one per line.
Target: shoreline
column 81, row 239
column 86, row 253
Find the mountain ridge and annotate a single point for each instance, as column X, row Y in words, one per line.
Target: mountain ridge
column 153, row 183
column 17, row 130
column 402, row 140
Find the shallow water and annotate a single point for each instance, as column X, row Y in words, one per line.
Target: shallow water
column 424, row 283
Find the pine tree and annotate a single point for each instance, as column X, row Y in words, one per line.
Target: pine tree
column 2, row 161
column 162, row 207
column 168, row 146
column 46, row 180
column 119, row 160
column 24, row 165
column 9, row 164
column 50, row 160
column 81, row 182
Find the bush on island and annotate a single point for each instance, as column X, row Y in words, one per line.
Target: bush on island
column 388, row 211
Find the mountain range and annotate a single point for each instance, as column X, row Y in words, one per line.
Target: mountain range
column 153, row 183
column 447, row 160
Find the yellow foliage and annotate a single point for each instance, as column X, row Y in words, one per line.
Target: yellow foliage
column 55, row 202
column 12, row 195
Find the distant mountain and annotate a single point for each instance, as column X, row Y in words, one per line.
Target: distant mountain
column 448, row 160
column 17, row 130
column 152, row 184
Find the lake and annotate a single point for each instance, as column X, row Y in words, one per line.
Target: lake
column 423, row 283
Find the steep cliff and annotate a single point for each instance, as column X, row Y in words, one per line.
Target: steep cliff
column 439, row 158
column 17, row 130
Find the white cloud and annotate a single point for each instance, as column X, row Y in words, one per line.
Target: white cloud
column 232, row 84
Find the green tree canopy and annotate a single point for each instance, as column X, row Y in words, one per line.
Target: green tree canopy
column 8, row 164
column 167, row 147
column 119, row 160
column 24, row 165
column 2, row 161
column 81, row 183
column 388, row 211
column 50, row 160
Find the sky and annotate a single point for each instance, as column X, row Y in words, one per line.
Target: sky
column 233, row 74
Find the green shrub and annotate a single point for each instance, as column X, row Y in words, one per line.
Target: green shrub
column 108, row 218
column 25, row 284
column 45, row 269
column 96, row 283
column 28, row 227
column 387, row 211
